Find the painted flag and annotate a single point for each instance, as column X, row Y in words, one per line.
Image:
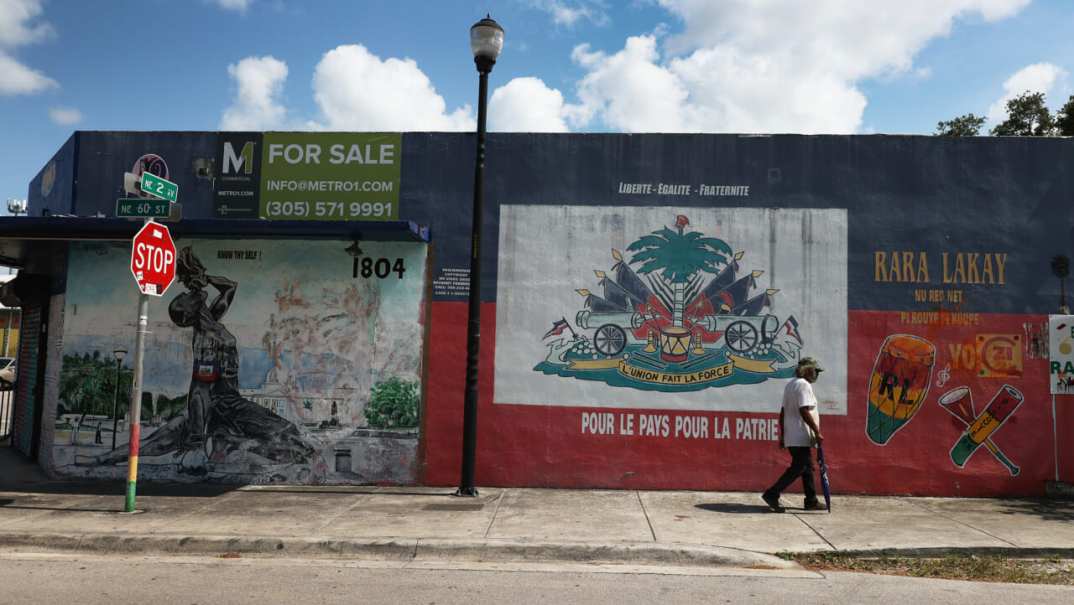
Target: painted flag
column 627, row 279
column 724, row 278
column 755, row 305
column 735, row 294
column 791, row 327
column 616, row 294
column 557, row 328
column 597, row 304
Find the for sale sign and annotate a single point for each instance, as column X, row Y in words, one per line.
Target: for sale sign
column 322, row 176
column 153, row 259
column 1061, row 354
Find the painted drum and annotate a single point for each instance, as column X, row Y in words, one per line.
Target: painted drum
column 674, row 343
column 1001, row 407
column 898, row 384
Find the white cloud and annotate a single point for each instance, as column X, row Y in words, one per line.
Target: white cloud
column 17, row 79
column 570, row 13
column 234, row 5
column 630, row 90
column 356, row 90
column 773, row 66
column 1038, row 77
column 257, row 106
column 65, row 116
column 527, row 105
column 19, row 25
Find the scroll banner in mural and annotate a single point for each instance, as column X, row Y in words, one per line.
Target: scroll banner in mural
column 330, row 176
column 1061, row 354
column 669, row 308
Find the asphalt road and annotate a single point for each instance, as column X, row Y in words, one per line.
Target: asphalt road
column 111, row 580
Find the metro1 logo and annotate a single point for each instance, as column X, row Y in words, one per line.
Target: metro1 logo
column 153, row 259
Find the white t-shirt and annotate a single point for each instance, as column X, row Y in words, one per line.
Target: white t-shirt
column 796, row 395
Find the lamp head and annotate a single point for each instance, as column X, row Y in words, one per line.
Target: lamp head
column 486, row 42
column 119, row 354
column 16, row 206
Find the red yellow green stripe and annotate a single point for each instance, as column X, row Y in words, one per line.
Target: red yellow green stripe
column 132, row 467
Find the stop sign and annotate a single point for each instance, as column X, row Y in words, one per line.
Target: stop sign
column 153, row 259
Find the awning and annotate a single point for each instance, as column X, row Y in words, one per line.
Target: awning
column 80, row 228
column 23, row 238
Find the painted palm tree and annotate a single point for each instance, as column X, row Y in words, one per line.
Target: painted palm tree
column 679, row 256
column 83, row 386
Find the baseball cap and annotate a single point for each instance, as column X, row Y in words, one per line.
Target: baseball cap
column 809, row 362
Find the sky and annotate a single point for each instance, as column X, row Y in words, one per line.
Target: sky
column 746, row 66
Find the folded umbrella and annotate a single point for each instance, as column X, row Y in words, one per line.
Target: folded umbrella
column 824, row 483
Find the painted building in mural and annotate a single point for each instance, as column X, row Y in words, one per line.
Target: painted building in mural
column 645, row 299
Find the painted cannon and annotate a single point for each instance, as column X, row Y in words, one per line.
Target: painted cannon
column 742, row 333
column 611, row 331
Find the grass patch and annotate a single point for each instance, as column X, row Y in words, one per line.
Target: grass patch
column 975, row 568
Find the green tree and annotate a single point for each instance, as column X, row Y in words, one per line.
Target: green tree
column 1064, row 119
column 393, row 404
column 1027, row 116
column 88, row 383
column 968, row 125
column 678, row 256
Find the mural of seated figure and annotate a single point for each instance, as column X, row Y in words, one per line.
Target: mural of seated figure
column 217, row 419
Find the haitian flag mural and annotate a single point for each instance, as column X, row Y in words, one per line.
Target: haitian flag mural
column 675, row 310
column 676, row 318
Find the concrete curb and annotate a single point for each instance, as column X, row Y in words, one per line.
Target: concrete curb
column 400, row 549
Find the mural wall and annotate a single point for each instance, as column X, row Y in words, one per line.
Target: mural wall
column 644, row 298
column 266, row 361
column 648, row 307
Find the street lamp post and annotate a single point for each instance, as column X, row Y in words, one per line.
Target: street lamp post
column 486, row 42
column 15, row 207
column 119, row 354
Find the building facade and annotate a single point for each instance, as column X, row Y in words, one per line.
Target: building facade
column 644, row 300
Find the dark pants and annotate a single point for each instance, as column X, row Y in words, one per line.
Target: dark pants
column 801, row 466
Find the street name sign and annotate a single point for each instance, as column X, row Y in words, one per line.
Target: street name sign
column 140, row 207
column 162, row 188
column 153, row 259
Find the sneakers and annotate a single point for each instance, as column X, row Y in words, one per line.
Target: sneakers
column 773, row 503
column 814, row 506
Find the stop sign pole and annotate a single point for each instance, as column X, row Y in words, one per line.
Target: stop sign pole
column 153, row 267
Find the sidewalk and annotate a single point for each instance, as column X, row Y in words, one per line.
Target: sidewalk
column 682, row 528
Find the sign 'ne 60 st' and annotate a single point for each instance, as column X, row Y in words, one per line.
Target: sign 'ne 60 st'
column 153, row 259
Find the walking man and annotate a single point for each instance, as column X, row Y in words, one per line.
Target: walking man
column 799, row 431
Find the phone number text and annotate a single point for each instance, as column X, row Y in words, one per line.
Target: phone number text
column 330, row 210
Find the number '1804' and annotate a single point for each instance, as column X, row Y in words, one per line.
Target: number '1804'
column 379, row 267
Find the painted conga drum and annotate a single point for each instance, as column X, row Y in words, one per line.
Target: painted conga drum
column 674, row 343
column 898, row 384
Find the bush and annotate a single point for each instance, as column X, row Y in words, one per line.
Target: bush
column 393, row 404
